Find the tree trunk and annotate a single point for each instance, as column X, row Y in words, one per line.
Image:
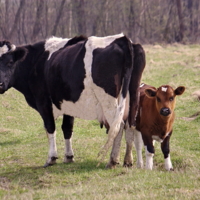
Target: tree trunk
column 180, row 35
column 36, row 28
column 58, row 17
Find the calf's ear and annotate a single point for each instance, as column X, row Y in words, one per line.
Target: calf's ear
column 150, row 92
column 179, row 90
column 19, row 54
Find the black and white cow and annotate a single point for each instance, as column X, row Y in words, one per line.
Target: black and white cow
column 79, row 77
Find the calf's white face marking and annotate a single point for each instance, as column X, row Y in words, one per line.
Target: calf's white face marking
column 164, row 89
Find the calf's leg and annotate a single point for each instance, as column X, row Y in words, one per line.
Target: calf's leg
column 166, row 150
column 149, row 149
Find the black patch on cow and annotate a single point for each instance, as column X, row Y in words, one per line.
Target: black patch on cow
column 111, row 65
column 65, row 73
column 75, row 40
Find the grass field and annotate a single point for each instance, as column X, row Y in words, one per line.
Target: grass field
column 24, row 147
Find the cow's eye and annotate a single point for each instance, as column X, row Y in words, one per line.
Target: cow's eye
column 171, row 98
column 10, row 63
column 158, row 99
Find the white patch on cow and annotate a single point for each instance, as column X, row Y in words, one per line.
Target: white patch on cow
column 101, row 42
column 52, row 147
column 94, row 102
column 68, row 147
column 142, row 85
column 13, row 47
column 157, row 138
column 168, row 163
column 68, row 151
column 164, row 89
column 4, row 49
column 149, row 159
column 54, row 43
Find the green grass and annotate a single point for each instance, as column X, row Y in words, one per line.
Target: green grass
column 24, row 147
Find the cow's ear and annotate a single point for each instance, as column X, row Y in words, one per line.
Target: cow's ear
column 150, row 92
column 179, row 90
column 19, row 54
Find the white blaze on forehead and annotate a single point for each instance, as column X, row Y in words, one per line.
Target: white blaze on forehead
column 54, row 43
column 4, row 49
column 164, row 89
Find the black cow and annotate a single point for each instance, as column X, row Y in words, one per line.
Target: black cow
column 80, row 77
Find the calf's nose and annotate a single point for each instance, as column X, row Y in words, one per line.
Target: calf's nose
column 165, row 111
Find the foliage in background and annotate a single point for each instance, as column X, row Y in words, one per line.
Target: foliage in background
column 144, row 21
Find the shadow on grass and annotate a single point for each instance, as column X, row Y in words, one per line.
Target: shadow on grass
column 37, row 177
column 7, row 143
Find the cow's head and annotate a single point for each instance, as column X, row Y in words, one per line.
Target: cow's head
column 165, row 97
column 9, row 56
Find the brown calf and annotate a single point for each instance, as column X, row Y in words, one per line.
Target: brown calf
column 154, row 121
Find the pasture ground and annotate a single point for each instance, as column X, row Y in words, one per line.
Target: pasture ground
column 23, row 145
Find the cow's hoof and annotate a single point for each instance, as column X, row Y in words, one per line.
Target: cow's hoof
column 51, row 162
column 128, row 165
column 68, row 159
column 112, row 165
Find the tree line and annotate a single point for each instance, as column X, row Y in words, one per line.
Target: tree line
column 144, row 21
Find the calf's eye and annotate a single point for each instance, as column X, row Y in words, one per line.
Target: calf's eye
column 171, row 98
column 158, row 99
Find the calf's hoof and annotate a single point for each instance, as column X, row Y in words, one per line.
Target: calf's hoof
column 68, row 159
column 50, row 162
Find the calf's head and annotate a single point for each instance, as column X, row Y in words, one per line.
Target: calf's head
column 165, row 98
column 9, row 56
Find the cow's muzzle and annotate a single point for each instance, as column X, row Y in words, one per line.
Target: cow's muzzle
column 165, row 111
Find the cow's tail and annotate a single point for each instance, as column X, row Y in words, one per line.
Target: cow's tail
column 128, row 50
column 139, row 65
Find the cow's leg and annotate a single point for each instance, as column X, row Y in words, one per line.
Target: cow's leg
column 67, row 127
column 49, row 124
column 115, row 153
column 166, row 150
column 129, row 137
column 51, row 134
column 149, row 151
column 138, row 146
